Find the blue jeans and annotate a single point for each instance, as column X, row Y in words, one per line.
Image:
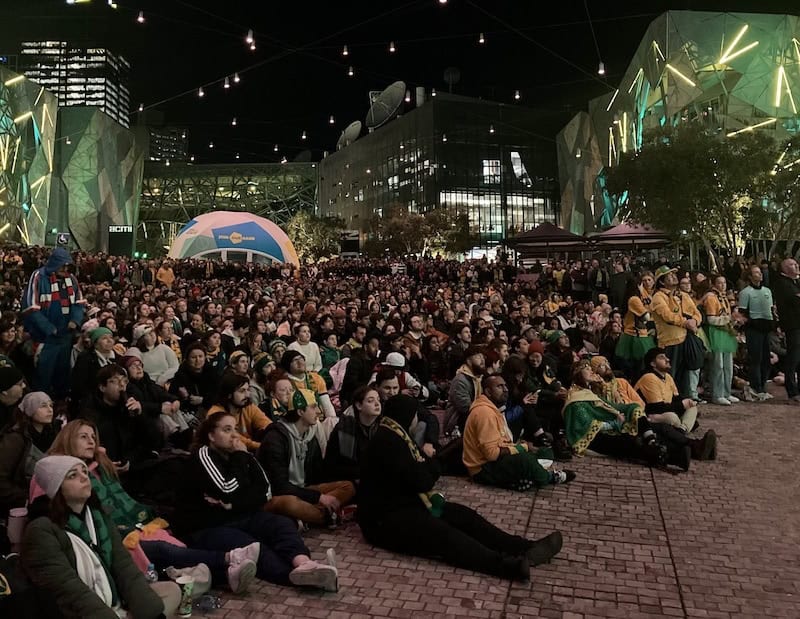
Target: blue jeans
column 163, row 555
column 278, row 535
column 791, row 363
column 52, row 366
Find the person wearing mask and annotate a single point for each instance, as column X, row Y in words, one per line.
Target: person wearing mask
column 787, row 299
column 491, row 455
column 12, row 386
column 52, row 309
column 464, row 389
column 757, row 306
column 74, row 554
column 399, row 511
column 22, row 446
column 352, row 434
column 222, row 508
column 234, row 398
column 293, row 460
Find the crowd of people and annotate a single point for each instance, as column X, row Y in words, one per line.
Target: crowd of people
column 196, row 418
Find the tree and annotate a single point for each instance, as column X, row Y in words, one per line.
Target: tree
column 403, row 232
column 314, row 237
column 694, row 184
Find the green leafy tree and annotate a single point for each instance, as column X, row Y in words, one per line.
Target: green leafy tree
column 403, row 232
column 695, row 184
column 314, row 237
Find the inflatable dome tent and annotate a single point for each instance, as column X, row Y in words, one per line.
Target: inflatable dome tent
column 233, row 236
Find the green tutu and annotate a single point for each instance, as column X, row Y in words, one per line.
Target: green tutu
column 632, row 347
column 720, row 339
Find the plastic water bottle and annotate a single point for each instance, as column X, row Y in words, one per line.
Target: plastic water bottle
column 151, row 575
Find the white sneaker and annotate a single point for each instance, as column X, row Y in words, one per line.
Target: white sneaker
column 240, row 575
column 721, row 401
column 250, row 552
column 317, row 575
column 767, row 396
column 200, row 573
column 733, row 399
column 330, row 557
column 761, row 397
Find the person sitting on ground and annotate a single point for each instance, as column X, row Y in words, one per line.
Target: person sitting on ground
column 352, row 434
column 222, row 509
column 130, row 437
column 426, row 431
column 263, row 366
column 216, row 357
column 22, row 446
column 293, row 460
column 159, row 360
column 660, row 393
column 399, row 511
column 234, row 397
column 304, row 345
column 491, row 455
column 89, row 362
column 195, row 384
column 239, row 363
column 144, row 535
column 464, row 389
column 359, row 368
column 74, row 553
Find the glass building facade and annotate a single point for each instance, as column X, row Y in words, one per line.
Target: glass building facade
column 474, row 157
column 80, row 75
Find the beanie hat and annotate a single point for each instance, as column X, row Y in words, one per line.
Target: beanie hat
column 33, row 402
column 96, row 334
column 9, row 376
column 288, row 357
column 261, row 360
column 235, row 356
column 536, row 346
column 131, row 356
column 89, row 325
column 275, row 345
column 50, row 472
column 554, row 335
column 395, row 360
column 140, row 331
column 301, row 398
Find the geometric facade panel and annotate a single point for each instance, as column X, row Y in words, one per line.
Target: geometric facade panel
column 732, row 71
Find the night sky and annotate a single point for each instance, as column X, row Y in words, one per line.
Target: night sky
column 297, row 77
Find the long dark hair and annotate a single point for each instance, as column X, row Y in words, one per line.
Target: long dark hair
column 206, row 427
column 228, row 385
column 60, row 512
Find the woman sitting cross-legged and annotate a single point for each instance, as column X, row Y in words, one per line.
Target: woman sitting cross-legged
column 222, row 508
column 352, row 434
column 292, row 458
column 397, row 509
column 144, row 535
column 75, row 554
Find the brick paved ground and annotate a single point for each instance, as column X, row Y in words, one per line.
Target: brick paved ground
column 722, row 541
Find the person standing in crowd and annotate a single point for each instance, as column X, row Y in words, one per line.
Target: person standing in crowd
column 52, row 309
column 787, row 299
column 757, row 306
column 721, row 340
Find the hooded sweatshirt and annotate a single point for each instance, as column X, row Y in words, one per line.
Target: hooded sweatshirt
column 291, row 461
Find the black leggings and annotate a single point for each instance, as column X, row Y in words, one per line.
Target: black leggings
column 460, row 537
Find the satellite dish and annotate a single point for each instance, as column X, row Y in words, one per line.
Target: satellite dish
column 349, row 135
column 386, row 105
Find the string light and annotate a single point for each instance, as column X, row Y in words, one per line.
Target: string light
column 166, row 162
column 345, row 51
column 249, row 39
column 233, row 122
column 304, row 136
column 444, row 137
column 211, row 144
column 442, row 1
column 481, row 39
column 237, row 155
column 226, row 84
column 516, row 95
column 408, row 96
column 141, row 107
column 284, row 159
column 392, row 48
column 253, row 46
column 201, row 92
column 601, row 70
column 140, row 17
column 183, row 135
column 191, row 158
column 433, row 92
column 236, row 78
column 275, row 148
column 350, row 71
column 491, row 128
column 331, row 120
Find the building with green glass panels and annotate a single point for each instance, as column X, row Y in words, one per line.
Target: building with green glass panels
column 175, row 193
column 735, row 72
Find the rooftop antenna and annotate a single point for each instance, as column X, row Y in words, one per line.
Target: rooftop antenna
column 385, row 105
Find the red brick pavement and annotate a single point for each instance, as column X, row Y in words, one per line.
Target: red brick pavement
column 719, row 542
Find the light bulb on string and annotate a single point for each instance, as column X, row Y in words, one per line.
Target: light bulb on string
column 284, row 159
column 433, row 92
column 236, row 78
column 201, row 92
column 491, row 128
column 516, row 95
column 444, row 137
column 275, row 148
column 249, row 39
column 140, row 17
column 392, row 48
column 408, row 96
column 191, row 158
column 442, row 1
column 304, row 136
column 141, row 107
column 331, row 120
column 211, row 145
column 237, row 155
column 345, row 51
column 601, row 69
column 226, row 83
column 183, row 135
column 253, row 46
column 350, row 71
column 166, row 162
column 233, row 122
column 481, row 39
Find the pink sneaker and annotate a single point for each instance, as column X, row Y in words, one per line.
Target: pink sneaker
column 317, row 575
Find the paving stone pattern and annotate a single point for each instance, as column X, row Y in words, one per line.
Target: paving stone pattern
column 722, row 542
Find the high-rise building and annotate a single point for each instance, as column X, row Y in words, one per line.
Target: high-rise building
column 80, row 75
column 167, row 143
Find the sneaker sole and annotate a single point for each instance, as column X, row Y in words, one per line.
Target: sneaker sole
column 320, row 578
column 246, row 576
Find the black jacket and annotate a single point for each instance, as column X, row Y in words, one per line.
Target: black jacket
column 204, row 384
column 274, row 455
column 346, row 448
column 235, row 479
column 151, row 395
column 391, row 479
column 84, row 376
column 785, row 291
column 359, row 369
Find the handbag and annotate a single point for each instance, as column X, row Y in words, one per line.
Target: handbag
column 693, row 352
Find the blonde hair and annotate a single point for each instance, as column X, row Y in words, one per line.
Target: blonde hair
column 64, row 441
